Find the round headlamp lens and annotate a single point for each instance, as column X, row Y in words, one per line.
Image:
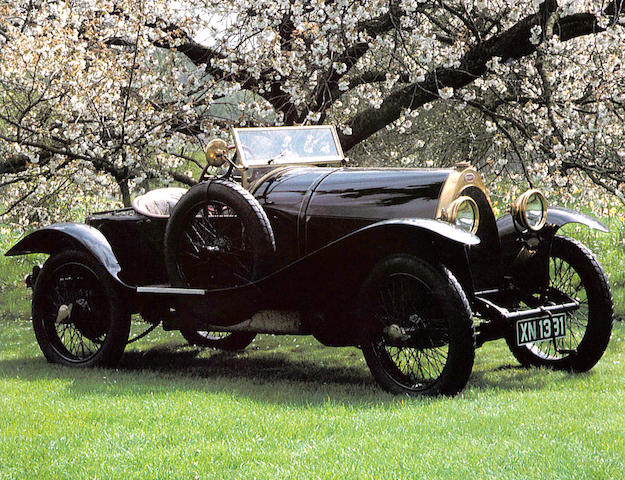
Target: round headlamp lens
column 463, row 213
column 465, row 218
column 530, row 210
column 535, row 211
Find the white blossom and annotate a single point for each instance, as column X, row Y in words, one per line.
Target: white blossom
column 71, row 90
column 536, row 32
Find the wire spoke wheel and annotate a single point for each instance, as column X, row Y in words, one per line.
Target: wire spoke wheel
column 77, row 316
column 425, row 340
column 564, row 277
column 574, row 270
column 230, row 341
column 214, row 251
column 80, row 334
column 403, row 301
column 217, row 237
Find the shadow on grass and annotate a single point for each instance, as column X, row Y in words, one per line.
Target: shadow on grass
column 269, row 377
column 519, row 378
column 256, row 366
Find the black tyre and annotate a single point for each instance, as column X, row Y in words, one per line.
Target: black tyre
column 78, row 314
column 574, row 270
column 229, row 341
column 424, row 342
column 218, row 236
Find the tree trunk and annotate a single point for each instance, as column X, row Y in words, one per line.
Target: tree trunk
column 125, row 191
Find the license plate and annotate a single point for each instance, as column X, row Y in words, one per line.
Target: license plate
column 541, row 329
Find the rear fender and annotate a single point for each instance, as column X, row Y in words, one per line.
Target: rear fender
column 63, row 236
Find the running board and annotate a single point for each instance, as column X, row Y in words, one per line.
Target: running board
column 165, row 290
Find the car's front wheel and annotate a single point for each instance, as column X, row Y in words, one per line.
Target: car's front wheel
column 423, row 339
column 78, row 314
column 574, row 270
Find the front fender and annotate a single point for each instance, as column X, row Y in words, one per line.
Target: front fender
column 62, row 236
column 411, row 226
column 560, row 216
column 526, row 254
column 432, row 240
column 343, row 264
column 556, row 216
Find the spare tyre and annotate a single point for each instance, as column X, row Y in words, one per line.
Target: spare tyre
column 217, row 237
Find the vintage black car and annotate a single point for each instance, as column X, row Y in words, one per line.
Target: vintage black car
column 410, row 265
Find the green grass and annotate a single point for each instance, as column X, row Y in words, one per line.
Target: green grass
column 289, row 407
column 14, row 297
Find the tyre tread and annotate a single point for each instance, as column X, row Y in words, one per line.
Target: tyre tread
column 112, row 350
column 591, row 351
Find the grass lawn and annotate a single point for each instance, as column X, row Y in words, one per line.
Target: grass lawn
column 290, row 408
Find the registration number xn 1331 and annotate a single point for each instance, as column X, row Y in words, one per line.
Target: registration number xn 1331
column 541, row 329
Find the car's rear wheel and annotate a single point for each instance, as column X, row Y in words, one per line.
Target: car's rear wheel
column 78, row 314
column 423, row 339
column 229, row 341
column 217, row 237
column 574, row 270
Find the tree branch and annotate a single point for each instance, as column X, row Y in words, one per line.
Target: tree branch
column 513, row 43
column 327, row 92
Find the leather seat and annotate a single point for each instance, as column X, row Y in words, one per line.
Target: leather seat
column 158, row 203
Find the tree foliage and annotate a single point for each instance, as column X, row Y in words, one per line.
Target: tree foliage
column 97, row 96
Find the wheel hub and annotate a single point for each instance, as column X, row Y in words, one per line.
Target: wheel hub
column 396, row 335
column 420, row 335
column 88, row 322
column 64, row 314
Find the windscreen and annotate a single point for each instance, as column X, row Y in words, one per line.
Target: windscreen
column 287, row 145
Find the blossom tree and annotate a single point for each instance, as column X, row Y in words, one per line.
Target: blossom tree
column 102, row 96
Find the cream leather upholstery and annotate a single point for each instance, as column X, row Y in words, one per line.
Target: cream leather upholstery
column 158, row 203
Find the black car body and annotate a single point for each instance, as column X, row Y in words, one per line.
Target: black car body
column 367, row 257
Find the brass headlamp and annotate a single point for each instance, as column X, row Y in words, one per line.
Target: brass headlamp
column 529, row 211
column 463, row 213
column 216, row 152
